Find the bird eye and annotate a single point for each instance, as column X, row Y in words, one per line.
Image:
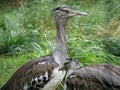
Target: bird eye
column 67, row 11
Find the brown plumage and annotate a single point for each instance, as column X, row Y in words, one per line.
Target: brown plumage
column 92, row 77
column 43, row 74
column 29, row 71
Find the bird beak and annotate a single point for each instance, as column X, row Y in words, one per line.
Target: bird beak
column 62, row 69
column 81, row 13
column 74, row 13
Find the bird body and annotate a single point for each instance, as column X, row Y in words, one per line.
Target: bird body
column 34, row 75
column 43, row 73
column 93, row 77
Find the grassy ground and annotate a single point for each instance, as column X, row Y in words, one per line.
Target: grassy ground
column 28, row 32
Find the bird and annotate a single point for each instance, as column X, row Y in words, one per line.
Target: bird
column 92, row 77
column 43, row 73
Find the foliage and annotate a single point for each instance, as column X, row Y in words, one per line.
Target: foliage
column 112, row 46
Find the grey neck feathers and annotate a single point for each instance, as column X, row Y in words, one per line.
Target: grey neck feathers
column 60, row 53
column 69, row 71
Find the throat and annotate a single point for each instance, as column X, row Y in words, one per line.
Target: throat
column 68, row 72
column 60, row 53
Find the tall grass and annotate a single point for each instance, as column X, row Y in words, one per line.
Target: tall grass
column 29, row 31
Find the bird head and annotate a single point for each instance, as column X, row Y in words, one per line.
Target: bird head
column 65, row 12
column 70, row 64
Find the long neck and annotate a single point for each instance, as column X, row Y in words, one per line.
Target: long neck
column 60, row 53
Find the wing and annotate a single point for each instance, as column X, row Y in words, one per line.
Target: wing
column 33, row 75
column 112, row 68
column 95, row 76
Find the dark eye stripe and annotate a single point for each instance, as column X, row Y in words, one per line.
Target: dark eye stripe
column 62, row 9
column 65, row 11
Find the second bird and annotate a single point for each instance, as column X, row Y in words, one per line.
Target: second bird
column 92, row 77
